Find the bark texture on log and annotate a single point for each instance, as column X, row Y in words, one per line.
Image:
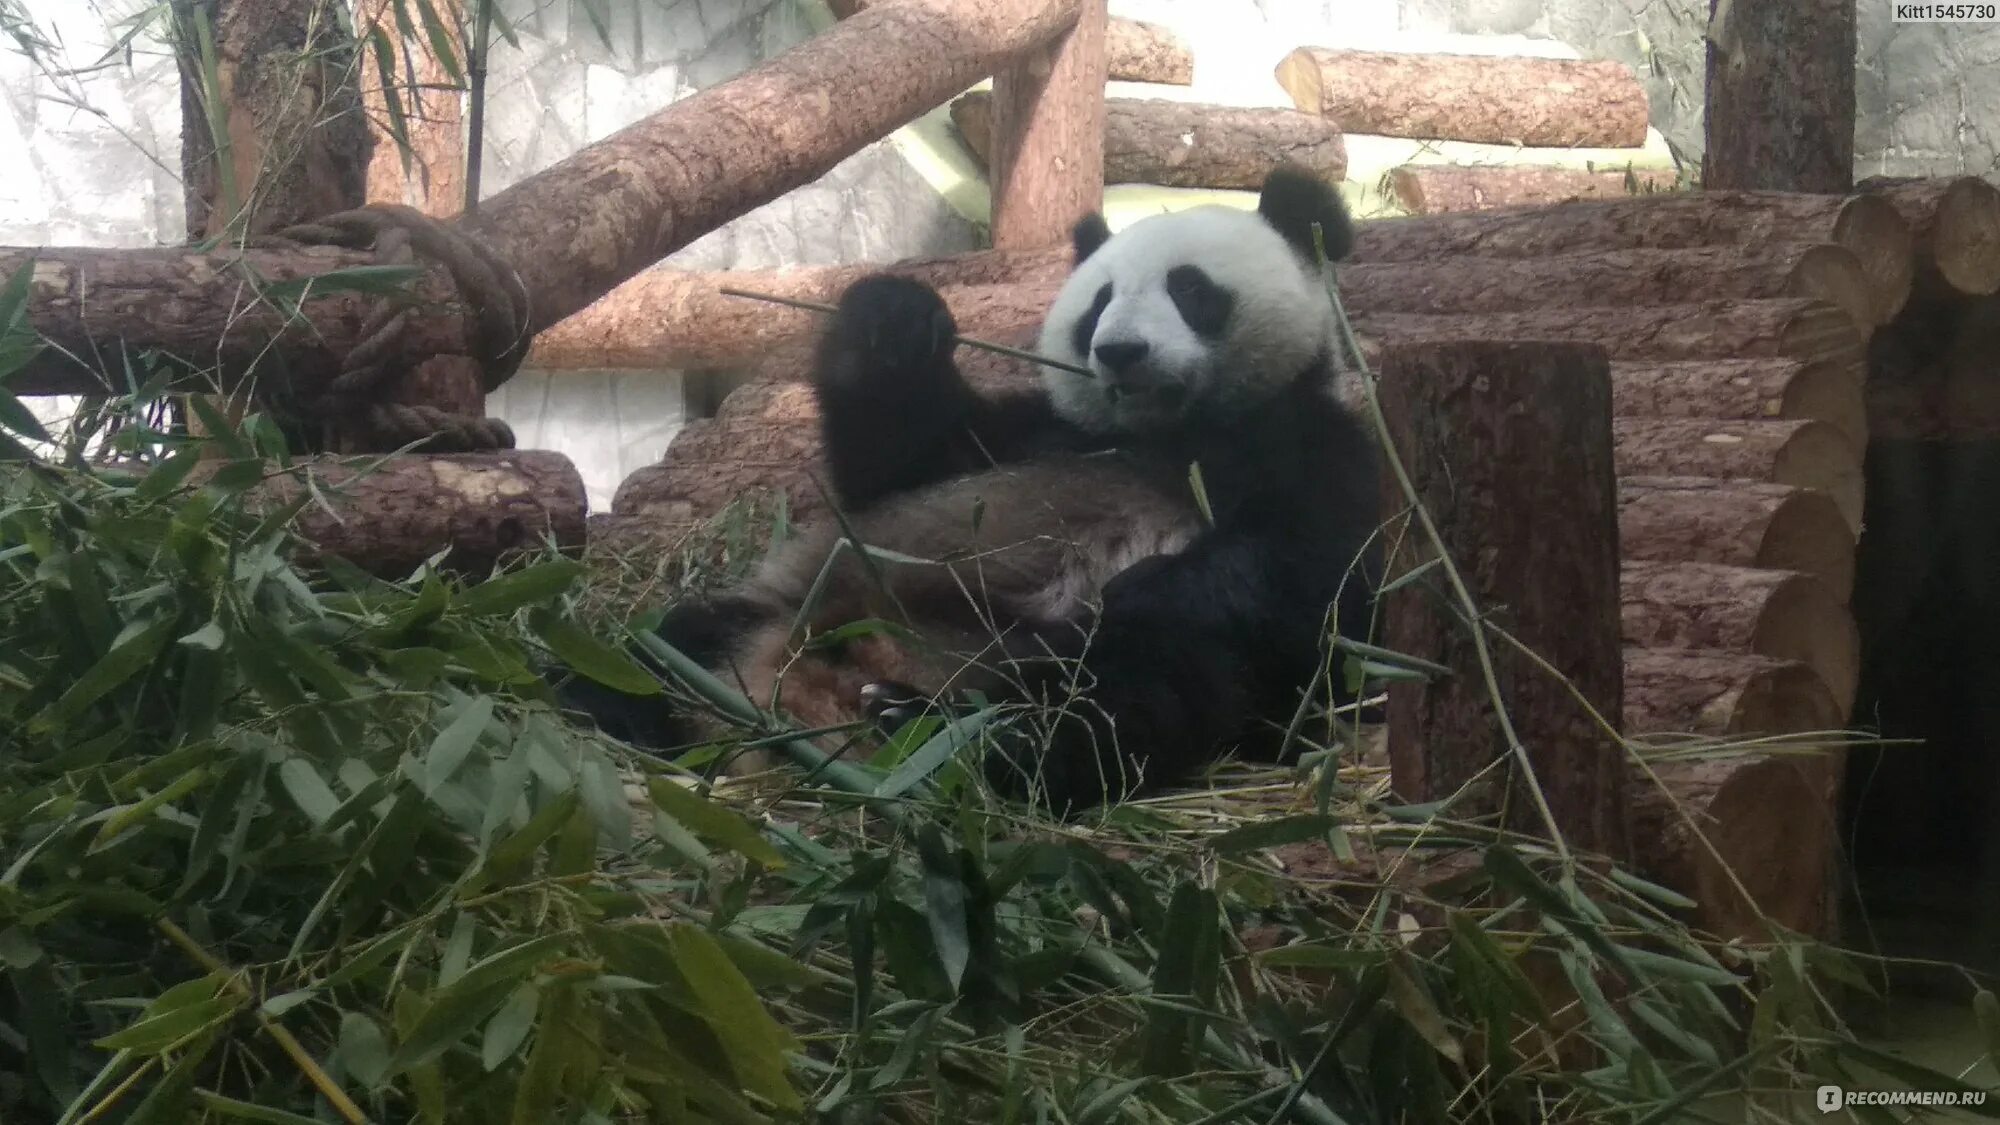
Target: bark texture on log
column 1440, row 189
column 1713, row 694
column 1780, row 96
column 1614, row 277
column 1869, row 226
column 1784, row 327
column 1770, row 819
column 602, row 214
column 1775, row 613
column 296, row 142
column 203, row 312
column 1136, row 51
column 1188, row 144
column 1955, row 226
column 1805, row 454
column 1743, row 390
column 431, row 175
column 681, row 318
column 388, row 519
column 1046, row 165
column 1555, row 103
column 1738, row 523
column 1473, row 421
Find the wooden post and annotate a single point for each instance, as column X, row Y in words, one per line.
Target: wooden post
column 1048, row 136
column 1780, row 113
column 1534, row 531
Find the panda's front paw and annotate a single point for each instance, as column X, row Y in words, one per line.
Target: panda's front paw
column 888, row 331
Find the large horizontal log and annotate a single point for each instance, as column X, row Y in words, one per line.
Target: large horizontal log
column 1739, row 523
column 1724, row 695
column 1188, row 144
column 682, row 319
column 1136, row 51
column 1743, row 390
column 602, row 214
column 1758, row 823
column 1788, row 327
column 1869, row 226
column 1802, row 454
column 1602, row 278
column 1495, row 99
column 1955, row 228
column 1776, row 613
column 203, row 314
column 1440, row 189
column 387, row 515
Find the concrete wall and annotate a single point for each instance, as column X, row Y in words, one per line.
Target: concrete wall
column 94, row 156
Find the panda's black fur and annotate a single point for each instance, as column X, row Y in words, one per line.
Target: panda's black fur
column 1080, row 560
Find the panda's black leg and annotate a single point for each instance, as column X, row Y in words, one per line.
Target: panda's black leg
column 893, row 407
column 702, row 630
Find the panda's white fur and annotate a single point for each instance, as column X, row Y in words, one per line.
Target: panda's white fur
column 1283, row 318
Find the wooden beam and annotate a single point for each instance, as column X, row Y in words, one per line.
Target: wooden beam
column 1047, row 158
column 1780, row 100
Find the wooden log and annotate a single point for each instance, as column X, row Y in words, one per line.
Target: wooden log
column 1802, row 454
column 426, row 170
column 1955, row 227
column 1726, row 695
column 388, row 518
column 1473, row 421
column 1136, row 51
column 1869, row 226
column 1555, row 103
column 1602, row 278
column 1779, row 112
column 1742, row 390
column 1760, row 822
column 1440, row 189
column 1787, row 327
column 1047, row 161
column 1776, row 613
column 1738, row 523
column 1188, row 144
column 681, row 319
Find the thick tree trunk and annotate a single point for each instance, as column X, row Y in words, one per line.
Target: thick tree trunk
column 1955, row 227
column 1763, row 823
column 295, row 143
column 1047, row 160
column 1555, row 103
column 1780, row 614
column 682, row 319
column 1780, row 109
column 1785, row 327
column 483, row 506
column 1743, row 390
column 1473, row 422
column 1871, row 227
column 1737, row 523
column 1188, row 144
column 1614, row 277
column 1800, row 454
column 1136, row 51
column 1439, row 189
column 1730, row 695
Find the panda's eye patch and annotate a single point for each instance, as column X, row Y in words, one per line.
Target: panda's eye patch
column 1203, row 304
column 1085, row 328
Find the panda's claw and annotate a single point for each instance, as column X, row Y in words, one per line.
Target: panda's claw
column 891, row 705
column 893, row 327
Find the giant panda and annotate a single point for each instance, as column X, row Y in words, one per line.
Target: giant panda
column 1070, row 559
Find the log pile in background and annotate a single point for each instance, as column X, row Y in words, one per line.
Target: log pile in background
column 1439, row 189
column 1137, row 51
column 1740, row 422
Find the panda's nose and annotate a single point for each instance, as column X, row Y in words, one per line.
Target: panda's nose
column 1117, row 357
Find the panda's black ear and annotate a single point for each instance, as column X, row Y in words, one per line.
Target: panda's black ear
column 1294, row 198
column 1089, row 233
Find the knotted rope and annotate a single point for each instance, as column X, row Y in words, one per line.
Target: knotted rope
column 498, row 306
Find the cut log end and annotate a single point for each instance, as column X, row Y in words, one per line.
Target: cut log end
column 1880, row 240
column 1769, row 526
column 1722, row 695
column 1833, row 274
column 1818, row 456
column 1965, row 243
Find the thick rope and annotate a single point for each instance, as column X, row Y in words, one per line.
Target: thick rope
column 498, row 311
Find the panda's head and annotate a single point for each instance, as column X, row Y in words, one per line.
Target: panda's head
column 1195, row 314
